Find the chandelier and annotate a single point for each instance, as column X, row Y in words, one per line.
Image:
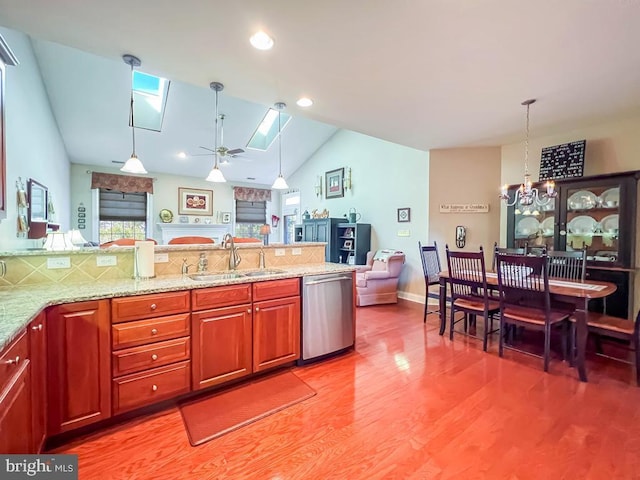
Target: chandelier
column 527, row 195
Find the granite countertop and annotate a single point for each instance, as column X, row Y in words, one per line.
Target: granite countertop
column 19, row 305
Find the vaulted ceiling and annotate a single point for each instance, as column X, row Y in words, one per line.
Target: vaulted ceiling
column 426, row 74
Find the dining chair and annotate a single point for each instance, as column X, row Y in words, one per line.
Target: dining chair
column 469, row 292
column 505, row 250
column 525, row 300
column 612, row 327
column 190, row 240
column 431, row 269
column 567, row 264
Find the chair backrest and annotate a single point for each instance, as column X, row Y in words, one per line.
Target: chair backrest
column 430, row 263
column 190, row 240
column 124, row 242
column 571, row 265
column 390, row 261
column 467, row 274
column 523, row 279
column 505, row 250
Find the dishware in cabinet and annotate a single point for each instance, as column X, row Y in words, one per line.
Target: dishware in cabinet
column 355, row 241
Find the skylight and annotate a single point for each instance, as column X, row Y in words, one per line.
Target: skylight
column 149, row 100
column 267, row 131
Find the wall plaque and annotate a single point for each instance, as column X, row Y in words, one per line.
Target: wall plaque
column 563, row 161
column 464, row 208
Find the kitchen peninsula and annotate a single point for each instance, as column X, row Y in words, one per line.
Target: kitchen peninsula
column 96, row 343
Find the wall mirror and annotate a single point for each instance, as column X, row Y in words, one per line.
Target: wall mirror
column 37, row 194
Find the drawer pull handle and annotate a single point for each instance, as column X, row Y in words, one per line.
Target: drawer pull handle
column 257, row 309
column 248, row 310
column 153, row 306
column 154, row 357
column 154, row 387
column 154, row 331
column 13, row 361
column 37, row 328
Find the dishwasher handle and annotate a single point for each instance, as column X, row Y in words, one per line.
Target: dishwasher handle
column 327, row 280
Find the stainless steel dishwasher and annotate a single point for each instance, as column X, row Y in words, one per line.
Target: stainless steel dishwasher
column 327, row 315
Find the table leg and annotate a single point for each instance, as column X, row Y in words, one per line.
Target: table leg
column 443, row 305
column 581, row 342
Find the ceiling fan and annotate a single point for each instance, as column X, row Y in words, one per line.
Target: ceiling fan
column 223, row 152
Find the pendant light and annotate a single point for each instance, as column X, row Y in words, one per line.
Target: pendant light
column 280, row 183
column 133, row 165
column 215, row 175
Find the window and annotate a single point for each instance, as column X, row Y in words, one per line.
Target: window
column 250, row 216
column 267, row 131
column 149, row 100
column 122, row 215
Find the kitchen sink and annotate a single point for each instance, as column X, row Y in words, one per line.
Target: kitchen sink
column 212, row 277
column 261, row 273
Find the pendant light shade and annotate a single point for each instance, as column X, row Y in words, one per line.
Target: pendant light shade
column 280, row 183
column 216, row 175
column 133, row 165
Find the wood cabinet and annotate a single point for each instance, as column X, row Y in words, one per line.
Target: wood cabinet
column 595, row 213
column 276, row 323
column 151, row 349
column 323, row 230
column 16, row 403
column 354, row 241
column 78, row 365
column 37, row 334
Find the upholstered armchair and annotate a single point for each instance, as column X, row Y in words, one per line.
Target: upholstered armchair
column 377, row 282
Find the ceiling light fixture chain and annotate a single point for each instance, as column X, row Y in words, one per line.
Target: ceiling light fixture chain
column 216, row 174
column 280, row 183
column 133, row 165
column 527, row 195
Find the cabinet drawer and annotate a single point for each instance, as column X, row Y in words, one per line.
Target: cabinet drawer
column 12, row 358
column 150, row 386
column 224, row 296
column 140, row 332
column 149, row 356
column 148, row 306
column 287, row 287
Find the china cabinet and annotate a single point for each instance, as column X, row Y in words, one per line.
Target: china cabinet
column 323, row 230
column 593, row 213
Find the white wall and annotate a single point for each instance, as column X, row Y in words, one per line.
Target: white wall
column 34, row 147
column 385, row 177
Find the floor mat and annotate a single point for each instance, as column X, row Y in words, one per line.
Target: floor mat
column 212, row 416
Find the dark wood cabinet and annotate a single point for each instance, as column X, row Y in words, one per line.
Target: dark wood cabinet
column 79, row 373
column 354, row 241
column 324, row 230
column 595, row 213
column 37, row 334
column 16, row 404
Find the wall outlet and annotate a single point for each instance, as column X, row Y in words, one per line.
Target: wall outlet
column 161, row 258
column 279, row 252
column 296, row 251
column 106, row 260
column 58, row 262
column 404, row 233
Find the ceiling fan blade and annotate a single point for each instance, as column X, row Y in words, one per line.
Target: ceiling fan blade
column 235, row 151
column 118, row 162
column 208, row 149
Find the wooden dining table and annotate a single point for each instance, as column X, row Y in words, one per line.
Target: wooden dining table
column 570, row 291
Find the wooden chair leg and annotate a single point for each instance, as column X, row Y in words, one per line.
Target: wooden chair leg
column 502, row 337
column 486, row 332
column 452, row 322
column 598, row 342
column 547, row 346
column 572, row 344
column 426, row 304
column 636, row 345
column 565, row 339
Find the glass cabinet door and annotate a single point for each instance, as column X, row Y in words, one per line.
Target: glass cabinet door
column 535, row 226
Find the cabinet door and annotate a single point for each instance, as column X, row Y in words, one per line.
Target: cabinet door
column 79, row 374
column 323, row 231
column 38, row 356
column 16, row 413
column 276, row 332
column 309, row 232
column 221, row 345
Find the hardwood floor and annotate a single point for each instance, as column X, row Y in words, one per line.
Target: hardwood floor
column 406, row 404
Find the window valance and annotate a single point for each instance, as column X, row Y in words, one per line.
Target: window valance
column 252, row 194
column 122, row 183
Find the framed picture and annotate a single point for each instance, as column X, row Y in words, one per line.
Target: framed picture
column 348, row 244
column 404, row 214
column 334, row 181
column 193, row 201
column 226, row 217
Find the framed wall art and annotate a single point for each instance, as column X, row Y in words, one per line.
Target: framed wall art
column 404, row 215
column 194, row 201
column 334, row 183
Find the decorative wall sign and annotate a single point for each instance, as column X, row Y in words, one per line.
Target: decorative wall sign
column 563, row 161
column 404, row 214
column 464, row 208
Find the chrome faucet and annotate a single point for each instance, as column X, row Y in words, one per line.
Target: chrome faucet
column 203, row 263
column 261, row 259
column 185, row 267
column 234, row 256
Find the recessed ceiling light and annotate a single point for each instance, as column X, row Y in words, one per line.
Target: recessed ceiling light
column 182, row 155
column 261, row 41
column 304, row 102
